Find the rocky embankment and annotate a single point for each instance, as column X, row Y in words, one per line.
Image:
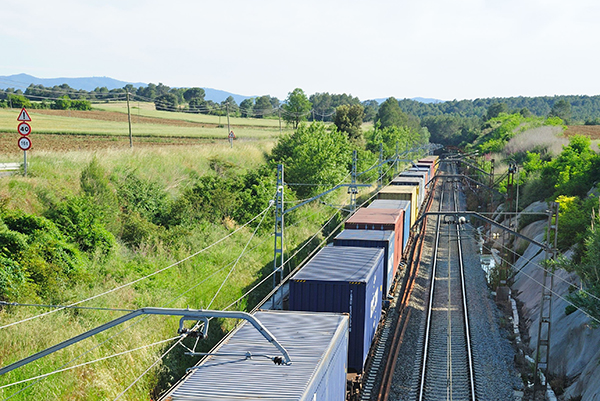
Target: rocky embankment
column 574, row 341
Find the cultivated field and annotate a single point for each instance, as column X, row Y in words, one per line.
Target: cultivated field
column 99, row 129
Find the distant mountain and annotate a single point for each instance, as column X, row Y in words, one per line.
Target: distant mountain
column 417, row 99
column 22, row 81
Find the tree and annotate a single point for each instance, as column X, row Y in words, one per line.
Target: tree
column 390, row 114
column 313, row 155
column 198, row 105
column 296, row 107
column 17, row 101
column 246, row 107
column 193, row 93
column 62, row 103
column 562, row 110
column 231, row 103
column 371, row 107
column 262, row 106
column 494, row 110
column 166, row 102
column 348, row 119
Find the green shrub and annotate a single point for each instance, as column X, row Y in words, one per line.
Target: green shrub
column 137, row 230
column 12, row 279
column 79, row 218
column 147, row 198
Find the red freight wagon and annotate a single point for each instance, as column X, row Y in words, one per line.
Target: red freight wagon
column 381, row 219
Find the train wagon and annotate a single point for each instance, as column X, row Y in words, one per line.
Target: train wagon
column 427, row 170
column 373, row 239
column 381, row 219
column 433, row 160
column 402, row 192
column 316, row 342
column 396, row 204
column 343, row 279
column 416, row 180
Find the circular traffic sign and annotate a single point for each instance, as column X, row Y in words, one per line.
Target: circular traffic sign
column 24, row 143
column 24, row 129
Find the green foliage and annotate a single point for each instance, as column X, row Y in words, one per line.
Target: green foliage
column 313, row 155
column 405, row 137
column 247, row 107
column 575, row 170
column 499, row 130
column 452, row 130
column 262, row 106
column 325, row 104
column 82, row 105
column 33, row 247
column 147, row 198
column 79, row 217
column 574, row 217
column 562, row 110
column 348, row 119
column 194, row 93
column 12, row 279
column 166, row 102
column 296, row 107
column 391, row 115
column 62, row 103
column 17, row 101
column 495, row 110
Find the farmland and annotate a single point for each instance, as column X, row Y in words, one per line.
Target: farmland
column 107, row 127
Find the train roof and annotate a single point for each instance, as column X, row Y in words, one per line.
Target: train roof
column 310, row 339
column 345, row 263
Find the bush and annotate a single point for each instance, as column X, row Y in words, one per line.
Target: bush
column 79, row 218
column 83, row 105
column 147, row 198
column 12, row 279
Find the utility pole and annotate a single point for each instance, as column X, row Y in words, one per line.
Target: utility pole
column 278, row 245
column 542, row 354
column 279, row 114
column 228, row 126
column 129, row 120
column 380, row 168
column 396, row 161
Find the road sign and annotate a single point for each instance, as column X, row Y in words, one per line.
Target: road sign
column 24, row 129
column 23, row 115
column 24, row 143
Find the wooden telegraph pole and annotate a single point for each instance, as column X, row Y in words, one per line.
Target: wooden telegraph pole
column 129, row 120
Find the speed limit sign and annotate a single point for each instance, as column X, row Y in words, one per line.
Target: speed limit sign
column 24, row 143
column 24, row 129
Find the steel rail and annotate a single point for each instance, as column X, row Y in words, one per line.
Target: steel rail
column 465, row 308
column 430, row 303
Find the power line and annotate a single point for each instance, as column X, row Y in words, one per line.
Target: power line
column 139, row 279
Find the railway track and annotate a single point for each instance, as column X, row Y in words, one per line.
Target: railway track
column 446, row 371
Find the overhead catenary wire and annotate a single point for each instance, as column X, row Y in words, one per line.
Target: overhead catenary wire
column 141, row 278
column 239, row 257
column 546, row 270
column 88, row 362
column 543, row 286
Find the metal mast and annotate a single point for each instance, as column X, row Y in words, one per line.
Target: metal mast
column 278, row 247
column 542, row 354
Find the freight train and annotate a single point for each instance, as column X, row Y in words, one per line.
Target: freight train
column 335, row 305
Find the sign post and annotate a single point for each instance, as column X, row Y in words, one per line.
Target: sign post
column 231, row 137
column 24, row 142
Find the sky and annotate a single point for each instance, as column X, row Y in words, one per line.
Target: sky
column 461, row 49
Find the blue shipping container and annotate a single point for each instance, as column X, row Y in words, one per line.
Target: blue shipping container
column 318, row 347
column 395, row 204
column 344, row 280
column 373, row 239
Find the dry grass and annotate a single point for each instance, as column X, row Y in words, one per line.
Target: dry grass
column 549, row 138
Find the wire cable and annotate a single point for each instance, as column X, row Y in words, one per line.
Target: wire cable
column 239, row 257
column 139, row 279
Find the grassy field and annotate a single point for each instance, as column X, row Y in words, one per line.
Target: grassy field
column 145, row 109
column 114, row 123
column 55, row 175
